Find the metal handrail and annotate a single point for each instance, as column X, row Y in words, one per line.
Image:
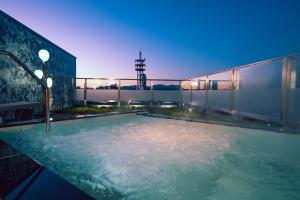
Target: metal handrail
column 246, row 65
column 24, row 66
column 28, row 70
column 129, row 79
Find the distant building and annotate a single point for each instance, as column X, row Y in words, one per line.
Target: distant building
column 113, row 86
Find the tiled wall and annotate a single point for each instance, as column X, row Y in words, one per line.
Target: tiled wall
column 15, row 84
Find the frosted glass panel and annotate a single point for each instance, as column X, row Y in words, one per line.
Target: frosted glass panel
column 186, row 96
column 260, row 102
column 102, row 95
column 219, row 99
column 259, row 90
column 166, row 95
column 293, row 91
column 135, row 95
column 198, row 97
column 79, row 94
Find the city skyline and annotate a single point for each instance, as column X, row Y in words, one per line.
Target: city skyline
column 106, row 37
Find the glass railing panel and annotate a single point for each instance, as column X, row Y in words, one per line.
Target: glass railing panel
column 293, row 89
column 198, row 97
column 97, row 95
column 135, row 95
column 79, row 94
column 259, row 89
column 186, row 96
column 219, row 99
column 166, row 95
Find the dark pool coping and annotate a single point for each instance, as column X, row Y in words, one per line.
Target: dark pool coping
column 284, row 130
column 24, row 178
column 64, row 117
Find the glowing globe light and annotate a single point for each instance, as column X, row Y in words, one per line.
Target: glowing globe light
column 44, row 55
column 195, row 83
column 99, row 82
column 112, row 82
column 49, row 82
column 39, row 73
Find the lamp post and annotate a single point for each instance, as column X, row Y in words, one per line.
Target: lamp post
column 44, row 56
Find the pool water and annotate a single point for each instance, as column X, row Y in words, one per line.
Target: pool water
column 138, row 157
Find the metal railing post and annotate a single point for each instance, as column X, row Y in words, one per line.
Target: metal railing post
column 233, row 88
column 46, row 98
column 119, row 93
column 84, row 92
column 47, row 95
column 191, row 92
column 286, row 72
column 181, row 95
column 206, row 91
column 151, row 93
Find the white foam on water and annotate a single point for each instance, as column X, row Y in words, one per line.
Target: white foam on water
column 135, row 157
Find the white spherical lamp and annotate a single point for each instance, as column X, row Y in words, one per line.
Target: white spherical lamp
column 44, row 55
column 39, row 73
column 49, row 82
column 112, row 82
column 195, row 83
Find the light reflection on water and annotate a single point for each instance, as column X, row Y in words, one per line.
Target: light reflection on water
column 135, row 157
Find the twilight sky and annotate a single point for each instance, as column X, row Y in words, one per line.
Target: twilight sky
column 179, row 38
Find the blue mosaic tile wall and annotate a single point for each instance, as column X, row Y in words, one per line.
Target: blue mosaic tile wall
column 15, row 84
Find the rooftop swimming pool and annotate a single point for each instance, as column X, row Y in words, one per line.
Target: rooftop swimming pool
column 138, row 157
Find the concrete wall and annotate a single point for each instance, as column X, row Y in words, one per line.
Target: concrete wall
column 15, row 84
